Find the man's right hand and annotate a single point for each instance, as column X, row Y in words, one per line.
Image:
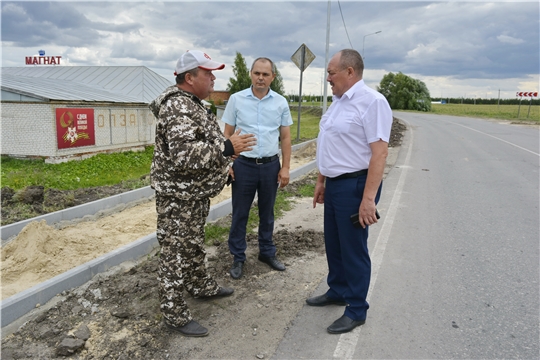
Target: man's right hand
column 242, row 143
column 318, row 195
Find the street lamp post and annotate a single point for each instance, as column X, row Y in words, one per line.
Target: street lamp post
column 364, row 42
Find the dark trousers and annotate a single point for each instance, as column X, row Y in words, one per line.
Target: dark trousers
column 349, row 264
column 250, row 178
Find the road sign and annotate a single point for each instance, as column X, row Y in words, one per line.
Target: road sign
column 303, row 57
column 527, row 94
column 522, row 94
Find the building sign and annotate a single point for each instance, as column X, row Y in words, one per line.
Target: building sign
column 42, row 59
column 75, row 127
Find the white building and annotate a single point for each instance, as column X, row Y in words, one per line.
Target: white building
column 69, row 112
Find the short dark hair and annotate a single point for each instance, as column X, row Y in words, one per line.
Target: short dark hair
column 264, row 59
column 181, row 78
column 352, row 58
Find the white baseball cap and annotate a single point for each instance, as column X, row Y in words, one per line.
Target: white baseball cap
column 196, row 59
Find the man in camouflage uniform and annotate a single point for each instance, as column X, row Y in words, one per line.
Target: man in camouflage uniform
column 190, row 166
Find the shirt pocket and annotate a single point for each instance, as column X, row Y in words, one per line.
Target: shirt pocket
column 344, row 121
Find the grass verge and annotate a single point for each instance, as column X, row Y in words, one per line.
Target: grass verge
column 100, row 170
column 309, row 124
column 502, row 112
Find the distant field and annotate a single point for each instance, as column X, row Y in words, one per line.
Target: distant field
column 309, row 125
column 503, row 112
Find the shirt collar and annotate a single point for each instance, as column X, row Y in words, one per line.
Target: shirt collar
column 250, row 93
column 350, row 93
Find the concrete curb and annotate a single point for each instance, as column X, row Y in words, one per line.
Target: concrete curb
column 91, row 208
column 79, row 211
column 20, row 304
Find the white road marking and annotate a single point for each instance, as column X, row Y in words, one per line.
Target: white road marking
column 347, row 342
column 504, row 141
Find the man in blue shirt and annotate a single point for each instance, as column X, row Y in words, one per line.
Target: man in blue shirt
column 260, row 111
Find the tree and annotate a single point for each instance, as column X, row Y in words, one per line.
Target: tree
column 277, row 84
column 405, row 93
column 241, row 79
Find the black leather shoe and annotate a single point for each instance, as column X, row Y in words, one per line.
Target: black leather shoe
column 344, row 324
column 192, row 329
column 236, row 270
column 273, row 262
column 222, row 292
column 323, row 300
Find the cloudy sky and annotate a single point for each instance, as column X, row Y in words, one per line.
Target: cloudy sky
column 459, row 49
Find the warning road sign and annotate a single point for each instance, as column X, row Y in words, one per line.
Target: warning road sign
column 527, row 94
column 303, row 57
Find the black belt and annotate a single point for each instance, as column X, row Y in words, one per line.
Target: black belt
column 259, row 161
column 350, row 175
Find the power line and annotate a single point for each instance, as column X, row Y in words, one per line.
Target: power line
column 342, row 18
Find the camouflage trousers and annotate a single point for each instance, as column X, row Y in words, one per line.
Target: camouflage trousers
column 180, row 233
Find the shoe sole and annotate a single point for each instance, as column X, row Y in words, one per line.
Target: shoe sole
column 213, row 297
column 216, row 296
column 171, row 328
column 339, row 303
column 190, row 335
column 345, row 331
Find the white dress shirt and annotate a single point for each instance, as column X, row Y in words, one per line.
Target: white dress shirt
column 359, row 117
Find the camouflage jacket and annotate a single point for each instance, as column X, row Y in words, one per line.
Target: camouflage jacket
column 188, row 162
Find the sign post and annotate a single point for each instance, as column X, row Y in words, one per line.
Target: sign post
column 302, row 58
column 522, row 94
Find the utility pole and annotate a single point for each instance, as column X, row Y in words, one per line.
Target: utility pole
column 326, row 58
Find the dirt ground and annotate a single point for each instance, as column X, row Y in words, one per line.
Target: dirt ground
column 40, row 251
column 116, row 315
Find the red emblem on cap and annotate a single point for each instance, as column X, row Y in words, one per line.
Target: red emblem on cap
column 208, row 57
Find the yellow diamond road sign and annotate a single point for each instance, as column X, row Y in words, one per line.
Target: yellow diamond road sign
column 303, row 57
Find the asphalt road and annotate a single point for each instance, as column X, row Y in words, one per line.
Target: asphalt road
column 456, row 256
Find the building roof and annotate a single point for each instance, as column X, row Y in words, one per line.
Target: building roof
column 85, row 83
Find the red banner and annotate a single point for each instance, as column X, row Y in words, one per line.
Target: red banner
column 74, row 127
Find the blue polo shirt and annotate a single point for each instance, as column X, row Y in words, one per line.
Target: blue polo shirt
column 262, row 118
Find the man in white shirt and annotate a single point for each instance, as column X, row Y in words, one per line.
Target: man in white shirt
column 351, row 155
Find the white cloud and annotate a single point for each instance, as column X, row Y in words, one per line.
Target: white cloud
column 460, row 45
column 509, row 40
